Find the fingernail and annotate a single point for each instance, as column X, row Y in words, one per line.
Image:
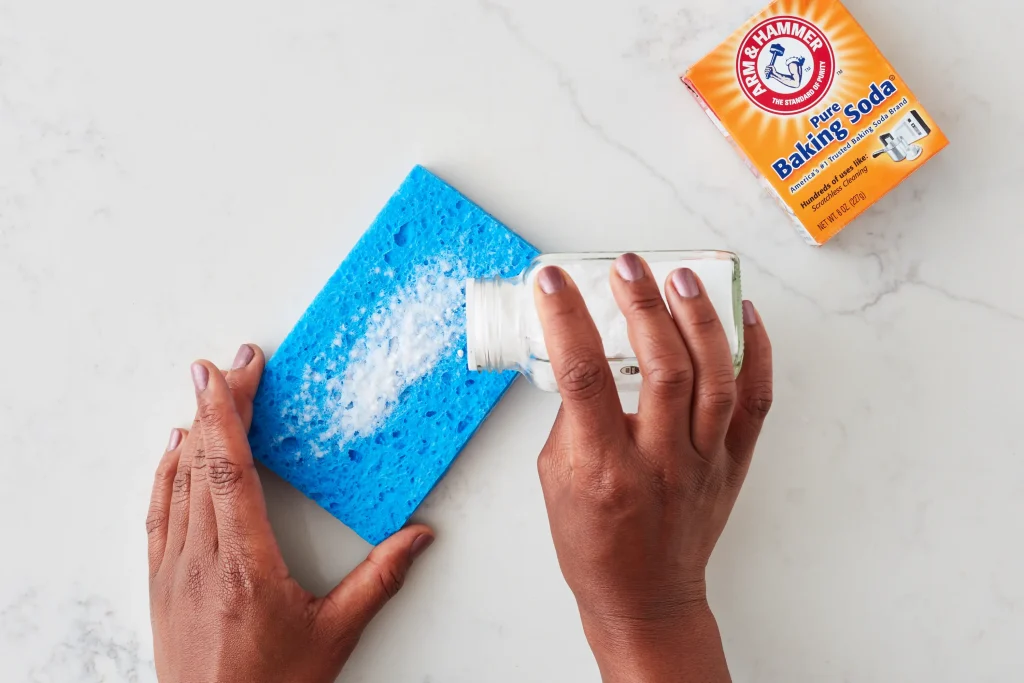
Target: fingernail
column 200, row 376
column 421, row 543
column 629, row 267
column 551, row 280
column 243, row 357
column 749, row 314
column 685, row 283
column 174, row 440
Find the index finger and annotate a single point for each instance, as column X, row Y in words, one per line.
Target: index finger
column 231, row 475
column 577, row 356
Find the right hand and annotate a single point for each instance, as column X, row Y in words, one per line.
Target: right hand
column 637, row 502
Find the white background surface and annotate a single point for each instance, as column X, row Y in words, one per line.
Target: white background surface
column 176, row 178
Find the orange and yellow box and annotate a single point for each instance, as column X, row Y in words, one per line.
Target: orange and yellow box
column 817, row 111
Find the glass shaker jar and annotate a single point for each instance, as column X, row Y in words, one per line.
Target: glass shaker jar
column 503, row 330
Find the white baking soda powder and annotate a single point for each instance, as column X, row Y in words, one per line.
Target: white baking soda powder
column 405, row 336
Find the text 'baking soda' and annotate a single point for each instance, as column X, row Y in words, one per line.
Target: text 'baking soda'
column 820, row 115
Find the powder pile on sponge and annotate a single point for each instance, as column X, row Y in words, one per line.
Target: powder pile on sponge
column 368, row 400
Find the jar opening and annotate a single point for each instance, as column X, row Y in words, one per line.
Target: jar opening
column 493, row 340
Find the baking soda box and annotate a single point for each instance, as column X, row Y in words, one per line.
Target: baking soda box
column 820, row 115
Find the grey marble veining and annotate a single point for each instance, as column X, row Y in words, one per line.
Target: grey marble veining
column 78, row 639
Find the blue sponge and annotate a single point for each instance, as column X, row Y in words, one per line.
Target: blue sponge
column 367, row 402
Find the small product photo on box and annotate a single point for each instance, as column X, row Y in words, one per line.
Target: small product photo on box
column 816, row 110
column 899, row 141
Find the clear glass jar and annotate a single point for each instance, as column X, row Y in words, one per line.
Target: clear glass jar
column 503, row 330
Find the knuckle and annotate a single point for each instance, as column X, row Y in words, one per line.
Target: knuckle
column 661, row 485
column 198, row 462
column 718, row 399
column 155, row 521
column 670, row 376
column 582, row 376
column 239, row 582
column 608, row 487
column 390, row 579
column 758, row 400
column 704, row 322
column 224, row 475
column 646, row 303
column 212, row 417
column 182, row 484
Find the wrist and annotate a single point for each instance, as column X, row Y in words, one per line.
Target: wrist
column 682, row 646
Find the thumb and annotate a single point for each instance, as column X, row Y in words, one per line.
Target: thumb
column 377, row 579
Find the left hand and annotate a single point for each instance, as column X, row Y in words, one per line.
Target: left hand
column 223, row 605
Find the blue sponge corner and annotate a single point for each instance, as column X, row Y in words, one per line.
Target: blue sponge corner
column 368, row 401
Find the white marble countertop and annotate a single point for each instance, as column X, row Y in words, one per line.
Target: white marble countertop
column 176, row 178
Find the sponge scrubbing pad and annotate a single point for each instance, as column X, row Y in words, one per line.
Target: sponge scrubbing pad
column 367, row 402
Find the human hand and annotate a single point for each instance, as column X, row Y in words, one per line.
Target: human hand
column 637, row 502
column 223, row 605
